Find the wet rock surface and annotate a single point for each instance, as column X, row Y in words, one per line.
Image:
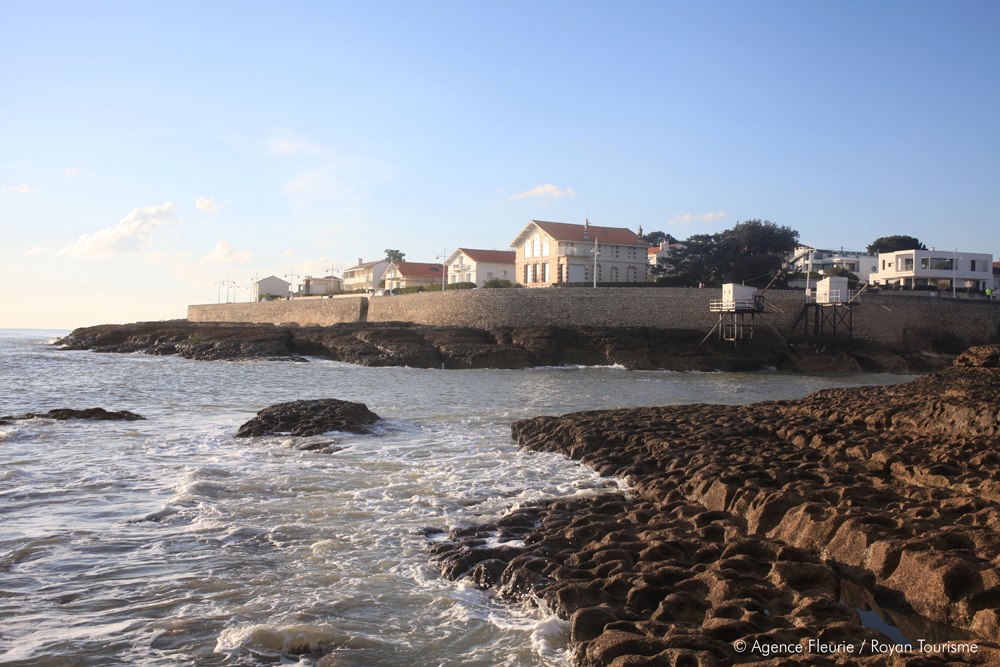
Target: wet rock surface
column 773, row 523
column 419, row 346
column 310, row 417
column 96, row 414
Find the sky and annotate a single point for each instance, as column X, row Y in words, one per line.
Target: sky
column 155, row 155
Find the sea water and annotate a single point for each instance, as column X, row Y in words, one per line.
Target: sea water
column 169, row 541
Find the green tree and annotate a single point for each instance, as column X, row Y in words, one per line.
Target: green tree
column 394, row 255
column 655, row 238
column 749, row 252
column 894, row 243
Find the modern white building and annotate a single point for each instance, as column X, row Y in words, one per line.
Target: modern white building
column 365, row 276
column 860, row 263
column 930, row 269
column 325, row 286
column 468, row 265
column 557, row 252
column 271, row 287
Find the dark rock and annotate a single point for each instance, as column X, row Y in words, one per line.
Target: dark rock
column 424, row 346
column 757, row 521
column 96, row 414
column 310, row 417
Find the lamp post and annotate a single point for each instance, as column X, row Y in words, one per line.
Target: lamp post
column 597, row 253
column 444, row 265
column 809, row 269
column 291, row 281
column 954, row 273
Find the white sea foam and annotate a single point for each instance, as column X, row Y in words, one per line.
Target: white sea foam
column 162, row 541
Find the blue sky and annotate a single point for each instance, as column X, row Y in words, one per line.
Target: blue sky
column 150, row 151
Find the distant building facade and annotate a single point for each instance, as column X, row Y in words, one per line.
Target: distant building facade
column 548, row 253
column 469, row 265
column 929, row 269
column 659, row 257
column 325, row 286
column 364, row 275
column 271, row 287
column 412, row 274
column 860, row 263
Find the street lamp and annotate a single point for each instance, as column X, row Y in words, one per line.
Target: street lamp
column 291, row 281
column 954, row 273
column 444, row 265
column 597, row 253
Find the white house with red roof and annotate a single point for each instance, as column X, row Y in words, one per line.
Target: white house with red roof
column 469, row 265
column 410, row 274
column 548, row 253
column 658, row 254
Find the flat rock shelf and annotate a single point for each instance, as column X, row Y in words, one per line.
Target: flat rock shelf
column 863, row 518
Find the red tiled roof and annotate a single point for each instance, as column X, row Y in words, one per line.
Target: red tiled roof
column 496, row 256
column 414, row 270
column 563, row 231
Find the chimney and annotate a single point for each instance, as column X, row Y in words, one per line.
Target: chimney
column 360, row 261
column 586, row 229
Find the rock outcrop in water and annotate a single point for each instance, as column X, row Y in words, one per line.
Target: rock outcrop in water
column 97, row 414
column 419, row 346
column 310, row 417
column 768, row 524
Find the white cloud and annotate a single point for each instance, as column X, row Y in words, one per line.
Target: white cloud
column 288, row 253
column 207, row 205
column 548, row 191
column 132, row 233
column 17, row 189
column 37, row 250
column 692, row 218
column 283, row 147
column 225, row 253
column 315, row 267
column 72, row 171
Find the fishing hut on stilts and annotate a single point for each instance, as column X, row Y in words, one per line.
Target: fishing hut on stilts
column 738, row 311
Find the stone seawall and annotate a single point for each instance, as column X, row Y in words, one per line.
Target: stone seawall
column 322, row 312
column 881, row 318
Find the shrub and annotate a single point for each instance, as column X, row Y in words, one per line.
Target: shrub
column 499, row 282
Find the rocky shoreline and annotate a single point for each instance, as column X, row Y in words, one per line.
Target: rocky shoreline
column 849, row 517
column 420, row 346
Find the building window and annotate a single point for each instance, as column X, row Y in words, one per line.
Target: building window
column 545, row 273
column 536, row 243
column 527, row 249
column 973, row 265
column 526, row 269
column 545, row 247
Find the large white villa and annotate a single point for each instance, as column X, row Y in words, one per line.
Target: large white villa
column 549, row 253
